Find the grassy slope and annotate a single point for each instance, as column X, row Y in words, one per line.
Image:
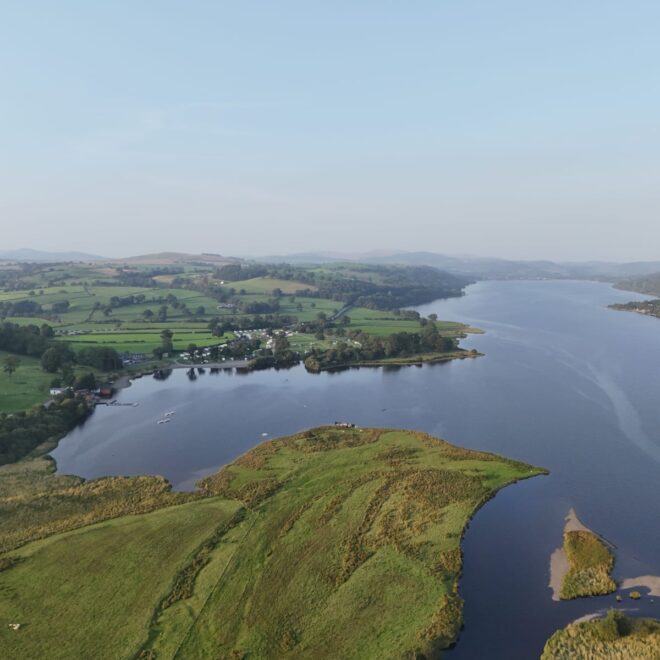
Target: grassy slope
column 90, row 593
column 616, row 636
column 349, row 547
column 590, row 564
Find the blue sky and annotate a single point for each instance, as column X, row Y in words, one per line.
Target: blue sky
column 514, row 129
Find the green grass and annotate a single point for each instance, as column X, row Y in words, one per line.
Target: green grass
column 28, row 385
column 103, row 582
column 590, row 564
column 330, row 543
column 615, row 636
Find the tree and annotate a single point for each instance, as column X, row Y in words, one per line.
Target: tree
column 54, row 357
column 10, row 364
column 280, row 345
column 61, row 307
column 68, row 375
column 433, row 317
column 167, row 346
column 85, row 382
column 101, row 357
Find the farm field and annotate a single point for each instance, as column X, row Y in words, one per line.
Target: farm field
column 375, row 322
column 145, row 341
column 324, row 519
column 266, row 285
column 28, row 385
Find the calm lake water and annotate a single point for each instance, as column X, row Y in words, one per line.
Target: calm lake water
column 565, row 383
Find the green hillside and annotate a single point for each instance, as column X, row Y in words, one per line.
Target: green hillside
column 330, row 543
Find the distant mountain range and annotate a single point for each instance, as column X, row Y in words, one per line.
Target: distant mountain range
column 484, row 267
column 158, row 258
column 478, row 268
column 26, row 254
column 170, row 258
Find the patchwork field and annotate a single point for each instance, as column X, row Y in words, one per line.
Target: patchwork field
column 146, row 340
column 330, row 543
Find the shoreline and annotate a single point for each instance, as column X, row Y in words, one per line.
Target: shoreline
column 411, row 361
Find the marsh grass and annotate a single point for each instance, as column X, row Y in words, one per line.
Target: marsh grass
column 614, row 636
column 590, row 565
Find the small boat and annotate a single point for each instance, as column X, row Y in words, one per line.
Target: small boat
column 164, row 421
column 169, row 414
column 263, row 435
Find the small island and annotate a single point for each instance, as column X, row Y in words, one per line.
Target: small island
column 614, row 636
column 335, row 542
column 582, row 566
column 590, row 564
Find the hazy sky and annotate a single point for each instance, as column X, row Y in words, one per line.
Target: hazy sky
column 518, row 129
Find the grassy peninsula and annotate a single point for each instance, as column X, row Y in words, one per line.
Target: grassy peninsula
column 615, row 636
column 590, row 564
column 336, row 542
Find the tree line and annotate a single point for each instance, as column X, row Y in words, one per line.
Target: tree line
column 24, row 431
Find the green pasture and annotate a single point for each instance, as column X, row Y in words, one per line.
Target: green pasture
column 28, row 385
column 265, row 285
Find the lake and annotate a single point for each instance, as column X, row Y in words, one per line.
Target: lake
column 565, row 383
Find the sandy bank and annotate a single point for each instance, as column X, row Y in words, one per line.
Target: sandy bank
column 651, row 582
